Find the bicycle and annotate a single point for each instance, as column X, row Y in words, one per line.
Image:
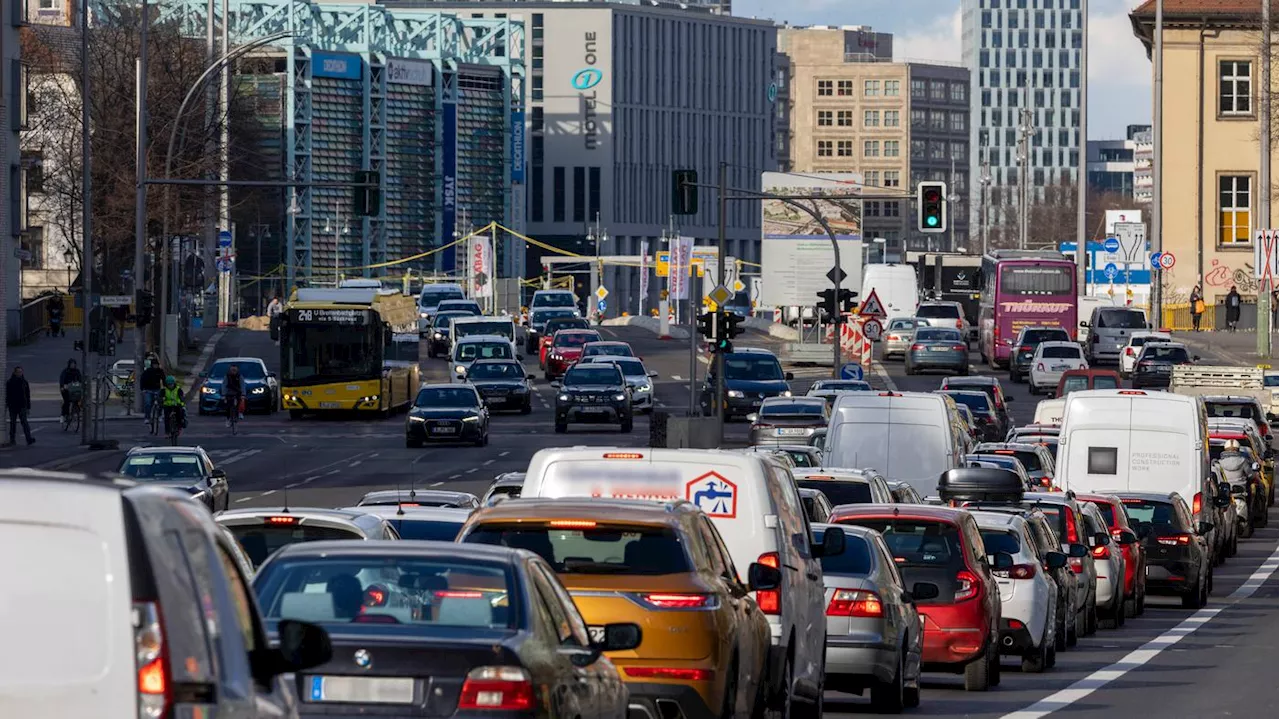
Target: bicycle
column 233, row 413
column 154, row 414
column 173, row 422
column 71, row 420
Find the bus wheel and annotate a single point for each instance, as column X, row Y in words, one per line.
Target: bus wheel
column 295, row 414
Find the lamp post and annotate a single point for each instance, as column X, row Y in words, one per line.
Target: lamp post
column 339, row 228
column 67, row 256
column 596, row 234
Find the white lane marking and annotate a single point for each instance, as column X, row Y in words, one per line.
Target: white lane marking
column 356, row 463
column 436, row 484
column 311, row 479
column 243, row 499
column 1148, row 651
column 677, row 378
column 488, row 462
column 472, row 470
column 268, row 493
column 291, row 486
column 503, row 453
column 454, row 476
column 880, row 372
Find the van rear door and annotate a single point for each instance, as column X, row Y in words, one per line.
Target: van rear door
column 1117, row 443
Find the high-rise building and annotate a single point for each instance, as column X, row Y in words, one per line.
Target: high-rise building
column 1112, row 165
column 1023, row 56
column 851, row 109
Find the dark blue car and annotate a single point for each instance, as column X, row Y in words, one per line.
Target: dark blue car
column 750, row 377
column 261, row 389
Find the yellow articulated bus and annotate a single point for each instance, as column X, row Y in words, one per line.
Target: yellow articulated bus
column 341, row 351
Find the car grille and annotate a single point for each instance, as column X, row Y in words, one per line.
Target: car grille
column 432, row 424
column 590, row 398
column 494, row 391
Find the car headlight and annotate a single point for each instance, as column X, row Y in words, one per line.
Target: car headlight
column 472, row 418
column 459, row 369
column 786, row 393
column 735, row 394
column 563, row 397
column 645, row 388
column 438, row 336
column 257, row 390
column 416, row 418
column 208, row 390
column 619, row 396
column 422, row 315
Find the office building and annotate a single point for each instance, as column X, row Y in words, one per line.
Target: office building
column 1112, row 165
column 851, row 109
column 1024, row 55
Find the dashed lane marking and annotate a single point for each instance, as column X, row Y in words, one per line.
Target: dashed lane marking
column 243, row 499
column 488, row 462
column 503, row 453
column 436, row 484
column 454, row 476
column 268, row 493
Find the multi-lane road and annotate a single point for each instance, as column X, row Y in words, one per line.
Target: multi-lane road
column 1218, row 661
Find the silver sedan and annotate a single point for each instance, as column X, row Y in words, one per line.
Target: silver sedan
column 899, row 334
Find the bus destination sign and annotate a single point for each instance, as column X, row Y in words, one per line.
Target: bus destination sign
column 331, row 316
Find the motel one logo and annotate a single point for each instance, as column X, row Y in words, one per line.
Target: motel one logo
column 585, row 81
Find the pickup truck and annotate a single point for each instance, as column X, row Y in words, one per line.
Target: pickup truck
column 1245, row 381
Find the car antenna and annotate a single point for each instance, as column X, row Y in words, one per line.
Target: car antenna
column 399, row 506
column 285, row 509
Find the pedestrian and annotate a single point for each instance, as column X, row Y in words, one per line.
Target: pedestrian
column 56, row 310
column 17, row 398
column 274, row 308
column 68, row 382
column 1233, row 308
column 1275, row 309
column 1197, row 307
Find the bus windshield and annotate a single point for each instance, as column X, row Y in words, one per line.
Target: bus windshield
column 331, row 353
column 1037, row 280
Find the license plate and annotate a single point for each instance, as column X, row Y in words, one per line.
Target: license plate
column 939, row 349
column 596, row 634
column 329, row 405
column 790, row 431
column 444, row 430
column 362, row 690
column 1061, row 368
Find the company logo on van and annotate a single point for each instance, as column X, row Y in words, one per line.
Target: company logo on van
column 714, row 495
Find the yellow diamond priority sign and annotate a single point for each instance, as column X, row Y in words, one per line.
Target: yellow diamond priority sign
column 601, row 292
column 720, row 295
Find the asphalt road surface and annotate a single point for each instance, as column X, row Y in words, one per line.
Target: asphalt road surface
column 1218, row 661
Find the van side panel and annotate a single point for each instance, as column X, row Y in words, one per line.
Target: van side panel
column 67, row 625
column 895, row 286
column 905, row 438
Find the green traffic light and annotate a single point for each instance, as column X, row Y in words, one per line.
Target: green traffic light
column 932, row 221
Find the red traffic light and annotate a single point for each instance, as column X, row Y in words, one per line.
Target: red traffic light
column 932, row 194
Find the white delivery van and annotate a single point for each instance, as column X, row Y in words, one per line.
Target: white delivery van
column 908, row 437
column 753, row 502
column 895, row 286
column 463, row 327
column 1049, row 411
column 1135, row 441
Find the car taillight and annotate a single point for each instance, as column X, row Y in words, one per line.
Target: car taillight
column 761, row 425
column 966, row 585
column 916, row 348
column 679, row 674
column 678, row 601
column 1197, row 503
column 995, row 333
column 1077, row 565
column 854, row 603
column 1026, row 348
column 1017, row 571
column 894, row 338
column 1072, row 535
column 960, row 348
column 770, row 600
column 1102, row 552
column 375, row 596
column 1128, row 351
column 959, row 324
column 1040, row 366
column 497, row 689
column 1115, row 533
column 1175, row 540
column 153, row 673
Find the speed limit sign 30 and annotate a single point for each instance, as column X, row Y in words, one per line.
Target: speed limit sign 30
column 871, row 330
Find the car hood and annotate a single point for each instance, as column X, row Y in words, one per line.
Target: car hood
column 567, row 351
column 444, row 412
column 592, row 388
column 191, row 483
column 754, row 385
column 248, row 383
column 497, row 382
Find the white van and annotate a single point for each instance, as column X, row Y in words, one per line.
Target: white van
column 752, row 500
column 462, row 327
column 1135, row 441
column 895, row 286
column 908, row 437
column 1049, row 411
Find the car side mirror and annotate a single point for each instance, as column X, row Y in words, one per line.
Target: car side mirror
column 1203, row 528
column 1195, row 358
column 218, row 474
column 204, row 374
column 1126, row 538
column 272, row 375
column 1224, row 498
column 1077, row 551
column 302, row 646
column 1001, row 560
column 619, row 638
column 554, row 385
column 519, row 356
column 762, row 577
column 1055, row 560
column 530, row 377
column 921, row 591
column 1007, row 400
column 832, row 544
column 652, row 375
column 1101, row 539
column 1255, row 466
column 1084, row 325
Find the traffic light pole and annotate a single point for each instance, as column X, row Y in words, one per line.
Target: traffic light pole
column 724, row 267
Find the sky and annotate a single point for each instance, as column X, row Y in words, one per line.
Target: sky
column 923, row 30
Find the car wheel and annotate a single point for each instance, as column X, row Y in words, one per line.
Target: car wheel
column 729, row 702
column 1131, row 604
column 295, row 414
column 964, row 371
column 1073, row 633
column 562, row 427
column 977, row 673
column 1142, row 600
column 1060, row 636
column 786, row 700
column 814, row 709
column 527, row 407
column 911, row 697
column 995, row 671
column 1091, row 621
column 547, row 376
column 887, row 697
column 1038, row 659
column 1191, row 600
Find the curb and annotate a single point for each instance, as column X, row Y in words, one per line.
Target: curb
column 1247, row 358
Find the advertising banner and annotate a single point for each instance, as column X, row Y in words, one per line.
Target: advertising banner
column 449, row 189
column 517, row 146
column 410, row 72
column 644, row 273
column 480, row 262
column 333, row 65
column 795, row 249
column 681, row 255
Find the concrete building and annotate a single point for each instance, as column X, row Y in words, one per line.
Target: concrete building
column 13, row 103
column 1112, row 165
column 1023, row 55
column 1143, row 152
column 618, row 95
column 1213, row 118
column 851, row 109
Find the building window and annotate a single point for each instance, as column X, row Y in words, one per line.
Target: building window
column 826, row 148
column 537, row 88
column 919, row 118
column 958, row 152
column 844, row 88
column 957, row 122
column 937, row 150
column 579, row 194
column 826, row 88
column 558, row 194
column 844, row 148
column 937, row 120
column 938, row 91
column 892, row 208
column 892, row 88
column 891, row 148
column 32, row 164
column 892, row 178
column 593, row 191
column 871, row 178
column 1234, row 208
column 871, row 208
column 871, row 88
column 891, row 118
column 536, row 54
column 536, row 119
column 825, row 118
column 917, row 149
column 871, row 118
column 536, row 189
column 1235, row 90
column 959, row 93
column 844, row 118
column 32, row 240
column 919, row 90
column 871, row 148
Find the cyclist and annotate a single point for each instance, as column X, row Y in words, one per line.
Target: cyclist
column 151, row 383
column 232, row 391
column 70, row 376
column 174, row 405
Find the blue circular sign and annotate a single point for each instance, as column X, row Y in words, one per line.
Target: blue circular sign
column 587, row 78
column 851, row 370
column 1111, row 244
column 1155, row 260
column 600, row 305
column 1110, row 270
column 224, row 238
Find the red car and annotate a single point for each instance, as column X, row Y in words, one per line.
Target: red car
column 565, row 350
column 1135, row 555
column 943, row 546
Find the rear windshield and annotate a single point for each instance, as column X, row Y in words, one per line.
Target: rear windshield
column 548, row 315
column 919, row 542
column 1160, row 515
column 483, row 350
column 1061, row 352
column 609, row 350
column 937, row 335
column 555, row 299
column 366, row 591
column 1108, row 512
column 497, row 370
column 790, row 409
column 1271, row 380
column 1164, row 353
column 1121, row 319
column 801, row 459
column 260, row 541
column 593, row 374
column 840, row 492
column 938, row 312
column 1139, row 341
column 1000, row 540
column 1035, row 337
column 441, row 320
column 164, row 467
column 1029, row 460
column 855, row 560
column 432, row 296
column 977, row 402
column 604, row 550
column 431, row 531
column 574, row 339
column 1242, row 410
column 846, row 386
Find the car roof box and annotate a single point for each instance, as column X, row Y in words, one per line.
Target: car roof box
column 980, row 484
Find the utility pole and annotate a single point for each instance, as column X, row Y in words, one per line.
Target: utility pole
column 1264, row 180
column 140, row 197
column 723, row 265
column 985, row 182
column 226, row 286
column 1025, row 128
column 86, row 227
column 1157, row 167
column 597, row 234
column 1082, row 143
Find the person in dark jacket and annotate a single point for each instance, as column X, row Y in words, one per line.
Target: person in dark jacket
column 70, row 375
column 1233, row 308
column 1197, row 307
column 17, row 398
column 151, row 382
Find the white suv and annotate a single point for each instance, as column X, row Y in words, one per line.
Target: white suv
column 1050, row 361
column 945, row 314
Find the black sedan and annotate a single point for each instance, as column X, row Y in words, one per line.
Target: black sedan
column 261, row 389
column 184, row 468
column 1154, row 367
column 447, row 413
column 594, row 393
column 442, row 630
column 438, row 335
column 503, row 384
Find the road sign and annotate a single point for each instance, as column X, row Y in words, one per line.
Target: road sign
column 831, row 275
column 224, row 238
column 871, row 306
column 738, row 286
column 601, row 293
column 115, row 300
column 851, row 370
column 1111, row 270
column 226, row 262
column 871, row 329
column 1266, row 255
column 1167, row 261
column 1132, row 238
column 600, row 305
column 1154, row 258
column 720, row 294
column 1111, row 244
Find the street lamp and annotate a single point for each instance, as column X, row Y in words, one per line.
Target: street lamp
column 337, row 241
column 67, row 256
column 596, row 234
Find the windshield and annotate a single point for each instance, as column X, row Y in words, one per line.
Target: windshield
column 1035, row 337
column 574, row 339
column 469, row 351
column 632, row 550
column 248, row 370
column 1108, row 512
column 607, row 350
column 996, row 540
column 919, row 542
column 855, row 560
column 977, row 402
column 792, row 409
column 143, row 467
column 1165, row 353
column 541, row 316
column 555, row 324
column 1030, row 280
column 840, row 491
column 366, row 591
column 431, row 531
column 1060, row 352
column 1242, row 410
column 801, row 458
column 592, row 374
column 1159, row 515
column 937, row 335
column 1271, row 380
column 1121, row 319
column 496, row 370
column 748, row 368
column 630, row 368
column 331, row 353
column 1029, row 460
column 441, row 321
column 904, row 324
column 838, row 386
column 905, row 452
column 432, row 296
column 467, row 307
column 503, row 328
column 260, row 541
column 554, row 299
column 446, row 397
column 938, row 312
column 1140, row 341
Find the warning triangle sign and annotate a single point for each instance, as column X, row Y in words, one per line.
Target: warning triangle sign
column 871, row 307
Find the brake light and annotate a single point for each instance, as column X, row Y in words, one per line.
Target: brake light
column 1077, row 565
column 916, row 348
column 678, row 601
column 854, row 603
column 1017, row 571
column 1135, row 391
column 679, row 674
column 770, row 600
column 1046, row 481
column 623, row 455
column 1040, row 366
column 967, row 585
column 1115, row 533
column 281, row 520
column 995, row 333
column 458, row 594
column 959, row 324
column 572, row 524
column 497, row 688
column 1175, row 540
column 1128, row 351
column 1197, row 503
column 894, row 338
column 1102, row 552
column 960, row 348
column 375, row 596
column 1004, row 451
column 153, row 673
column 1072, row 535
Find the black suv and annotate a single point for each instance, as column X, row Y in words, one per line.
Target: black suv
column 1179, row 558
column 1024, row 348
column 594, row 393
column 750, row 377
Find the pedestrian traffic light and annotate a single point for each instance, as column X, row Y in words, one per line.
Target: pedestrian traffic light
column 366, row 196
column 684, row 192
column 707, row 325
column 827, row 306
column 143, row 308
column 848, row 300
column 931, row 207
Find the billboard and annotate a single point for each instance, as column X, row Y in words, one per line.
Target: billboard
column 449, row 188
column 1114, row 216
column 795, row 250
column 480, row 260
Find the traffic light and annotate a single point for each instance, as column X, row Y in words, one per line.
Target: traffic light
column 848, row 300
column 144, row 308
column 931, row 207
column 707, row 325
column 729, row 324
column 828, row 304
column 366, row 196
column 684, row 192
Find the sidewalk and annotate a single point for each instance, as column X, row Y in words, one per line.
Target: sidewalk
column 1234, row 347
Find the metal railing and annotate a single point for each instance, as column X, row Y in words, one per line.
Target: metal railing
column 1177, row 317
